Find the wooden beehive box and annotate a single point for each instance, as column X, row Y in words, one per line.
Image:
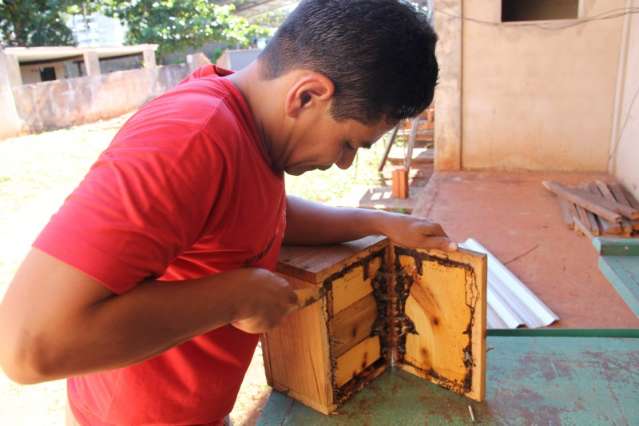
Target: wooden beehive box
column 368, row 305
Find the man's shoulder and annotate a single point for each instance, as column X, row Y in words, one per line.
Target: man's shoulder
column 201, row 99
column 201, row 107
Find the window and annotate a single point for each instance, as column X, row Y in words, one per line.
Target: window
column 538, row 10
column 47, row 74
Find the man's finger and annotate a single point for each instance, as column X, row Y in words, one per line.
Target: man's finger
column 434, row 229
column 440, row 243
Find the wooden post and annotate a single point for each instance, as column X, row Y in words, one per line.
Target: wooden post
column 400, row 183
column 388, row 147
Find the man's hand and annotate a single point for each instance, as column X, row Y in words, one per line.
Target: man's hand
column 415, row 232
column 268, row 299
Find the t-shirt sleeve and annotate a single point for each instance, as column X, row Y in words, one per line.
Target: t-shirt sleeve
column 144, row 201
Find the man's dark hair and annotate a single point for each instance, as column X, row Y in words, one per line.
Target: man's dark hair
column 379, row 54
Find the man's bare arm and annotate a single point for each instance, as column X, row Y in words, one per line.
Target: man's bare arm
column 310, row 223
column 56, row 321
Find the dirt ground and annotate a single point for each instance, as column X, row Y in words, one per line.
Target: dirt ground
column 37, row 172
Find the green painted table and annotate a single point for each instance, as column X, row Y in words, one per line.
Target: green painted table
column 549, row 377
column 619, row 262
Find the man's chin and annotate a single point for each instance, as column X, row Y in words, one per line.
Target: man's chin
column 297, row 171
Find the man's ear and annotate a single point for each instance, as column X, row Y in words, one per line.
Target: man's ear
column 311, row 90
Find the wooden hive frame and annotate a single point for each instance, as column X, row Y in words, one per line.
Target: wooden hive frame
column 368, row 305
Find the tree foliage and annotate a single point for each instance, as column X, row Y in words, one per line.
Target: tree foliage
column 273, row 19
column 174, row 25
column 181, row 24
column 35, row 23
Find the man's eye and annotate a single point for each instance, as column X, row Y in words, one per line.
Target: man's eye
column 350, row 146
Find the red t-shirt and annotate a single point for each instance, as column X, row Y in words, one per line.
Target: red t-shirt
column 185, row 190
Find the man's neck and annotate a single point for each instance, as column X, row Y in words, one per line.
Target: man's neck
column 262, row 98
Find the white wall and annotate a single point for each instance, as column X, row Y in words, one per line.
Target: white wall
column 625, row 141
column 536, row 98
column 11, row 124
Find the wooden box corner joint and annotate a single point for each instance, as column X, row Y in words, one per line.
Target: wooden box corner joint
column 377, row 305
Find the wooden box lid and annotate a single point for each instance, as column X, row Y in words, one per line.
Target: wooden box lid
column 316, row 263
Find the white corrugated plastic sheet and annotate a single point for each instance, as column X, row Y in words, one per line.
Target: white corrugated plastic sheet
column 510, row 303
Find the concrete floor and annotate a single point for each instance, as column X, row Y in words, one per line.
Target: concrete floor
column 519, row 221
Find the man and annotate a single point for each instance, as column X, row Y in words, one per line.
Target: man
column 149, row 287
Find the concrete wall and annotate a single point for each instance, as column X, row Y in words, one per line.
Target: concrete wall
column 108, row 65
column 448, row 106
column 624, row 151
column 10, row 124
column 63, row 103
column 237, row 59
column 197, row 60
column 537, row 98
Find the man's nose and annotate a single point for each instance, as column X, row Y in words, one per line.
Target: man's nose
column 347, row 159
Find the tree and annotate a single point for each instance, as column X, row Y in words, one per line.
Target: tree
column 273, row 19
column 35, row 23
column 181, row 24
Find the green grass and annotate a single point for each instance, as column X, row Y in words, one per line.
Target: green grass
column 38, row 172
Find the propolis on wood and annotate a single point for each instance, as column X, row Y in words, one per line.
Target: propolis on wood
column 368, row 305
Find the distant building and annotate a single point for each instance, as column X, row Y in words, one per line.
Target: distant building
column 96, row 30
column 62, row 102
column 28, row 65
column 237, row 59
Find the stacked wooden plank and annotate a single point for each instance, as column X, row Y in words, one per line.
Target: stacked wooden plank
column 597, row 208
